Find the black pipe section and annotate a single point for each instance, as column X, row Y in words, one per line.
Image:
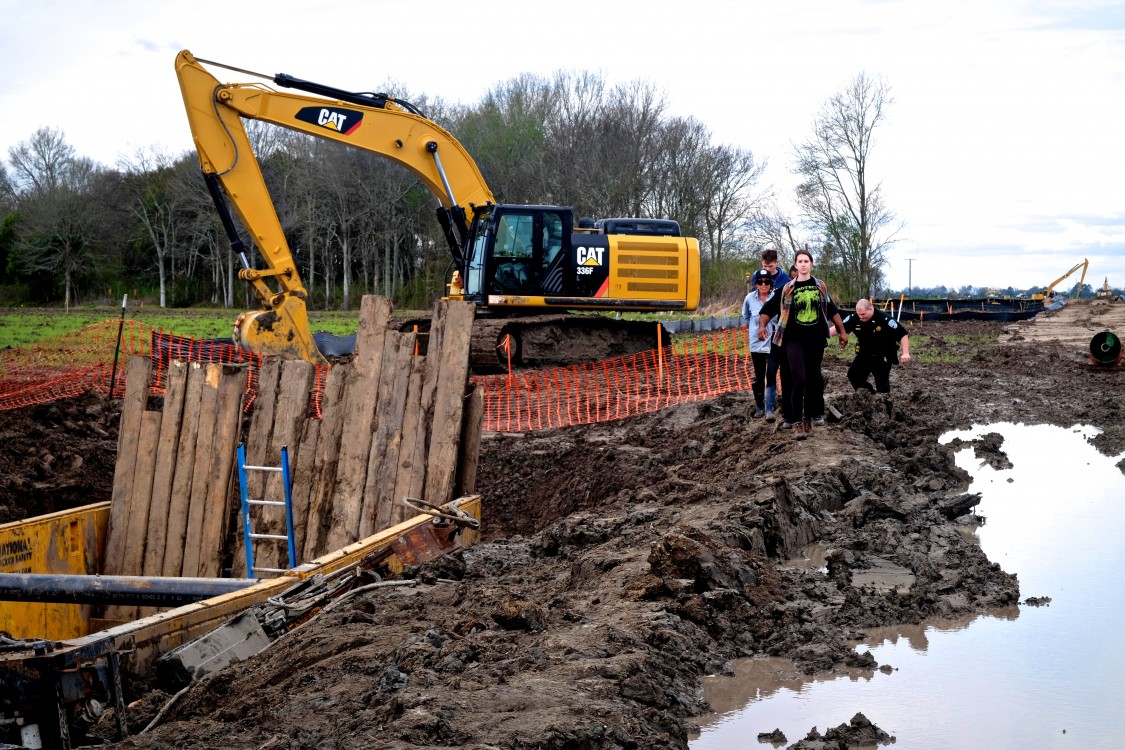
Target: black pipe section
column 134, row 590
column 1105, row 349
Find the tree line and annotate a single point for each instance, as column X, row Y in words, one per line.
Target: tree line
column 79, row 232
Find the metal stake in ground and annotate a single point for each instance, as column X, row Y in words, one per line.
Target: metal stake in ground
column 117, row 348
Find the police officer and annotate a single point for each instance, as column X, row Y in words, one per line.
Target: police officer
column 878, row 337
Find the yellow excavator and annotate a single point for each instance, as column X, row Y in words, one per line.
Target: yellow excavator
column 1048, row 296
column 515, row 262
column 1106, row 293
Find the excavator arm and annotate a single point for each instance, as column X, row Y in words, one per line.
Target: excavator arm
column 372, row 122
column 1049, row 294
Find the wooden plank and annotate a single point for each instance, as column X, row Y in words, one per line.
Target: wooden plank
column 201, row 472
column 449, row 398
column 220, row 493
column 383, row 397
column 322, row 481
column 168, row 443
column 379, row 492
column 129, row 433
column 469, row 459
column 141, row 494
column 290, row 415
column 303, row 471
column 137, row 524
column 182, row 477
column 410, row 471
column 355, row 439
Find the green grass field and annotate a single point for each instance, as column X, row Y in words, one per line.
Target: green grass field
column 21, row 327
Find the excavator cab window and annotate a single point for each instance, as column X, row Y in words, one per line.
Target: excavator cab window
column 514, row 254
column 554, row 259
column 477, row 265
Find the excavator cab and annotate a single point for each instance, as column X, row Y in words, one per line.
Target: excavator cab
column 518, row 252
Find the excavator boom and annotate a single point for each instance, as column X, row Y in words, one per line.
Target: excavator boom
column 375, row 123
column 1084, row 265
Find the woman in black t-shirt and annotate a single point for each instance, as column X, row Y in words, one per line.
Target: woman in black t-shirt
column 804, row 308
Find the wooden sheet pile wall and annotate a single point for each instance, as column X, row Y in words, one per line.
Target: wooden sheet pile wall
column 171, row 485
column 395, row 425
column 392, row 428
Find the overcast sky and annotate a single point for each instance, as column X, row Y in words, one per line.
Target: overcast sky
column 1002, row 155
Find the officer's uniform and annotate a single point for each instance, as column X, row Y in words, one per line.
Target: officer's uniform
column 876, row 349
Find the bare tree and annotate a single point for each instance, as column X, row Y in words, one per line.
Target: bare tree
column 733, row 176
column 198, row 229
column 837, row 194
column 7, row 191
column 61, row 222
column 506, row 133
column 43, row 163
column 153, row 204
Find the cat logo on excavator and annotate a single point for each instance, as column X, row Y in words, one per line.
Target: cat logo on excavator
column 341, row 120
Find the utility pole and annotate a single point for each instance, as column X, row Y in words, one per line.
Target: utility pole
column 910, row 276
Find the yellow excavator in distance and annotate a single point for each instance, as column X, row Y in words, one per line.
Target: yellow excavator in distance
column 1048, row 296
column 1106, row 293
column 515, row 262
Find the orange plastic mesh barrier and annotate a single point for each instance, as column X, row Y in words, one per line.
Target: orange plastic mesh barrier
column 70, row 364
column 80, row 361
column 692, row 370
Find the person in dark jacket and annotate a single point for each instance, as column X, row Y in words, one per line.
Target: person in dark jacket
column 770, row 264
column 759, row 347
column 804, row 309
column 878, row 338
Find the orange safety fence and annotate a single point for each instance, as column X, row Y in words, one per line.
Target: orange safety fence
column 83, row 360
column 691, row 370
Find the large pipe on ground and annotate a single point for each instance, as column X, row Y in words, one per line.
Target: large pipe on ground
column 128, row 590
column 1105, row 349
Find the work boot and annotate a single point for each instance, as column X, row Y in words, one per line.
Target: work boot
column 807, row 424
column 800, row 431
column 771, row 401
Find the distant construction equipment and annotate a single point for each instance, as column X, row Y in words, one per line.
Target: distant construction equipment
column 1106, row 293
column 1048, row 296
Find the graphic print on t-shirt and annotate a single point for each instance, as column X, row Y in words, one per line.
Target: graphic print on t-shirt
column 806, row 301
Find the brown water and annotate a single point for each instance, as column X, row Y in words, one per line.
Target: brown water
column 1025, row 677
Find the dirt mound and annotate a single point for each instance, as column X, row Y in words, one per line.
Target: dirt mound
column 57, row 455
column 622, row 562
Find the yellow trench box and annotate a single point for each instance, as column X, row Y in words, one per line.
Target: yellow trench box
column 68, row 542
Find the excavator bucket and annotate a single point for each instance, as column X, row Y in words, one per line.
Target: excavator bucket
column 282, row 330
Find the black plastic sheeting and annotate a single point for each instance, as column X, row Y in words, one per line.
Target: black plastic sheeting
column 166, row 347
column 331, row 345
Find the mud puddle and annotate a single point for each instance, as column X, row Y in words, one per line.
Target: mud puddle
column 1046, row 674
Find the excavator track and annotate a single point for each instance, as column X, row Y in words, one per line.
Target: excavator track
column 539, row 341
column 557, row 340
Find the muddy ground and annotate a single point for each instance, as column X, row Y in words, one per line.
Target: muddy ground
column 623, row 562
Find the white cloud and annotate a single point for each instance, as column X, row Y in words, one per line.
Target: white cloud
column 1002, row 153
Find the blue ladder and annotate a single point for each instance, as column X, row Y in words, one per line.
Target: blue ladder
column 248, row 536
